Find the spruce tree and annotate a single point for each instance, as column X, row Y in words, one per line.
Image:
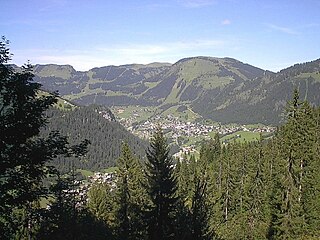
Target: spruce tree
column 161, row 188
column 182, row 220
column 101, row 203
column 23, row 154
column 295, row 162
column 130, row 196
column 257, row 200
column 200, row 209
column 21, row 117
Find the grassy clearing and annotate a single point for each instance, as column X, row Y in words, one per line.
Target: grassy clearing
column 314, row 75
column 215, row 81
column 63, row 72
column 137, row 112
column 172, row 97
column 85, row 173
column 257, row 125
column 191, row 72
column 187, row 115
column 242, row 136
column 188, row 141
column 118, row 93
column 110, row 169
column 61, row 103
column 84, row 93
column 151, row 84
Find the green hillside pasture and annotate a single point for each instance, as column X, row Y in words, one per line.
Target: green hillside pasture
column 173, row 96
column 64, row 105
column 197, row 67
column 85, row 173
column 187, row 115
column 194, row 140
column 241, row 136
column 63, row 72
column 151, row 84
column 113, row 93
column 137, row 112
column 257, row 125
column 210, row 82
column 61, row 103
column 314, row 75
column 84, row 93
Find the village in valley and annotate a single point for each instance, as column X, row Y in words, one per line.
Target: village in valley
column 184, row 129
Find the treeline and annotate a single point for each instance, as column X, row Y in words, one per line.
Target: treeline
column 105, row 136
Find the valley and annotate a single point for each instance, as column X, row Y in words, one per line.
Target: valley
column 185, row 129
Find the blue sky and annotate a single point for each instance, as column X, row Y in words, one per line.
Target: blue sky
column 271, row 34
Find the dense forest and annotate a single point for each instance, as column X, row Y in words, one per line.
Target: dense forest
column 268, row 189
column 96, row 124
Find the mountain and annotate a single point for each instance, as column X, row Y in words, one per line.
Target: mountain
column 263, row 99
column 152, row 84
column 111, row 85
column 222, row 89
column 191, row 79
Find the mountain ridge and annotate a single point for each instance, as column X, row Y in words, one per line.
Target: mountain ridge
column 223, row 89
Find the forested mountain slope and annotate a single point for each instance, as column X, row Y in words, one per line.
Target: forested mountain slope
column 96, row 124
column 110, row 85
column 263, row 99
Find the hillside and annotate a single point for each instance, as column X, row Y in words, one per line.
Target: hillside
column 263, row 99
column 95, row 123
column 111, row 85
column 221, row 89
column 189, row 78
column 151, row 84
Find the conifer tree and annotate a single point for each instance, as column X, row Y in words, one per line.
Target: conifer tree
column 182, row 219
column 130, row 196
column 211, row 149
column 101, row 203
column 257, row 202
column 21, row 117
column 200, row 209
column 161, row 188
column 24, row 156
column 295, row 140
column 312, row 189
